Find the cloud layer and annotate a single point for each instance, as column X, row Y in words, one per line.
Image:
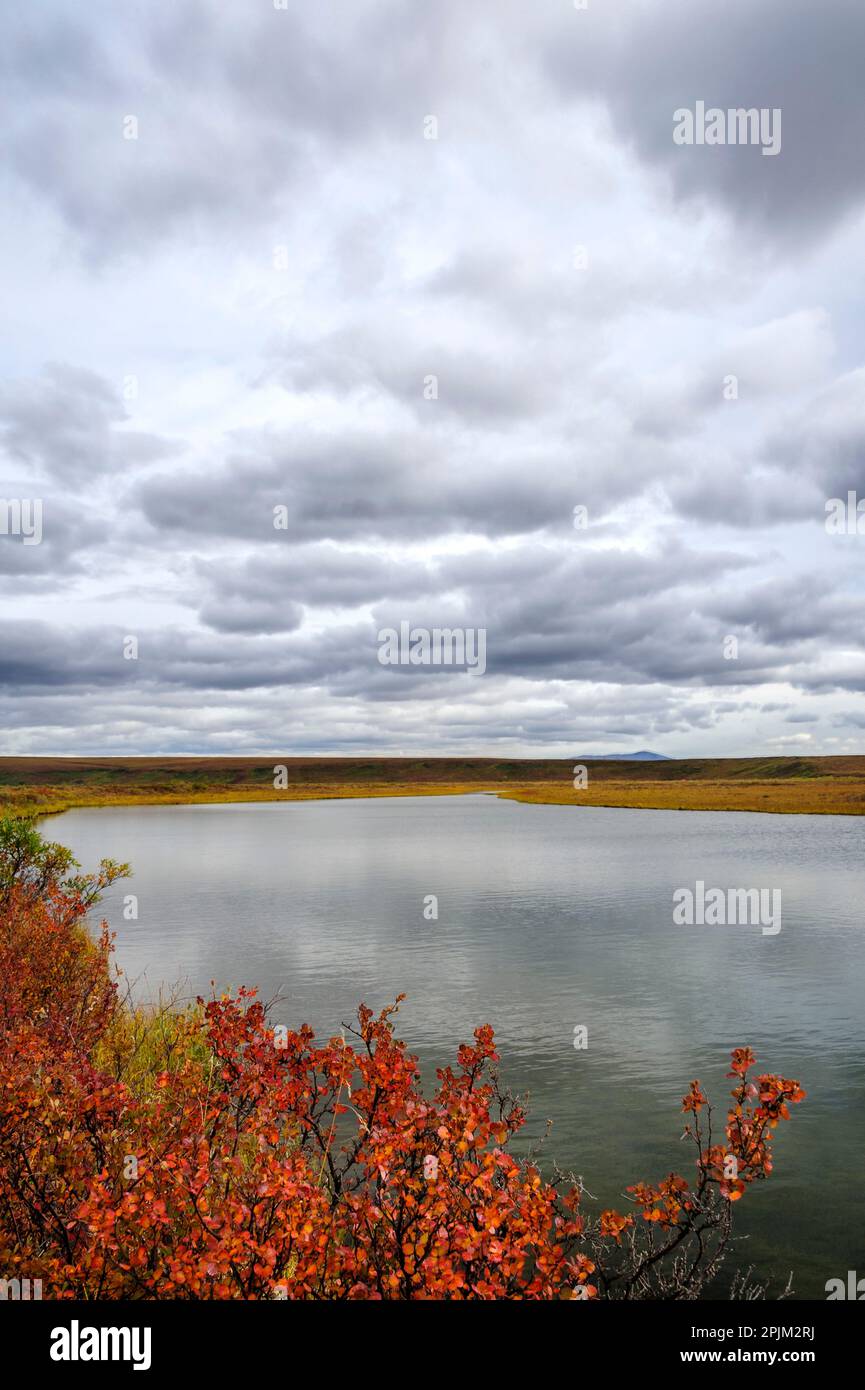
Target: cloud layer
column 328, row 318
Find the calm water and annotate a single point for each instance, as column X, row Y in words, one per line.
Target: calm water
column 549, row 917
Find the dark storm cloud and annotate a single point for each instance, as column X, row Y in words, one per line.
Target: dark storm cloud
column 646, row 61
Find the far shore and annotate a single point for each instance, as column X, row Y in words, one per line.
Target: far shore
column 40, row 786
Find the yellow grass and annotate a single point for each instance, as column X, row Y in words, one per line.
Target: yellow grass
column 822, row 796
column 813, row 786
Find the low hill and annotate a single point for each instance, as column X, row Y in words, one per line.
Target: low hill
column 642, row 757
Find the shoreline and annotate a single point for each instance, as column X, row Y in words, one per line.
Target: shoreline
column 35, row 787
column 759, row 800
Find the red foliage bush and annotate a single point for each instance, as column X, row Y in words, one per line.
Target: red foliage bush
column 257, row 1164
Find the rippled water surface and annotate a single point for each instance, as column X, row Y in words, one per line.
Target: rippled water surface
column 549, row 917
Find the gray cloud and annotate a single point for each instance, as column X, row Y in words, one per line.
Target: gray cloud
column 291, row 387
column 233, row 105
column 389, row 484
column 67, row 424
column 646, row 61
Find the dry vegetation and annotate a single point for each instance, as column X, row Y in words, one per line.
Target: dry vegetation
column 815, row 786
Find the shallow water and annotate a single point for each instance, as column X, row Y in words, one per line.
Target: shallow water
column 549, row 917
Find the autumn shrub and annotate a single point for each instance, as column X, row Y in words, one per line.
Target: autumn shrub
column 205, row 1153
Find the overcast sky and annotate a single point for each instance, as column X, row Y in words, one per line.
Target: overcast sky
column 238, row 310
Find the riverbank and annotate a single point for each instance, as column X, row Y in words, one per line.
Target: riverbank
column 35, row 787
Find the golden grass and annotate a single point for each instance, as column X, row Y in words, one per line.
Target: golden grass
column 820, row 797
column 142, row 1041
column 814, row 786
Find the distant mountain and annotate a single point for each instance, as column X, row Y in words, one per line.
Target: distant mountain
column 642, row 757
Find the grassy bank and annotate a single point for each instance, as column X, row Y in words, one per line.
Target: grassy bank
column 814, row 786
